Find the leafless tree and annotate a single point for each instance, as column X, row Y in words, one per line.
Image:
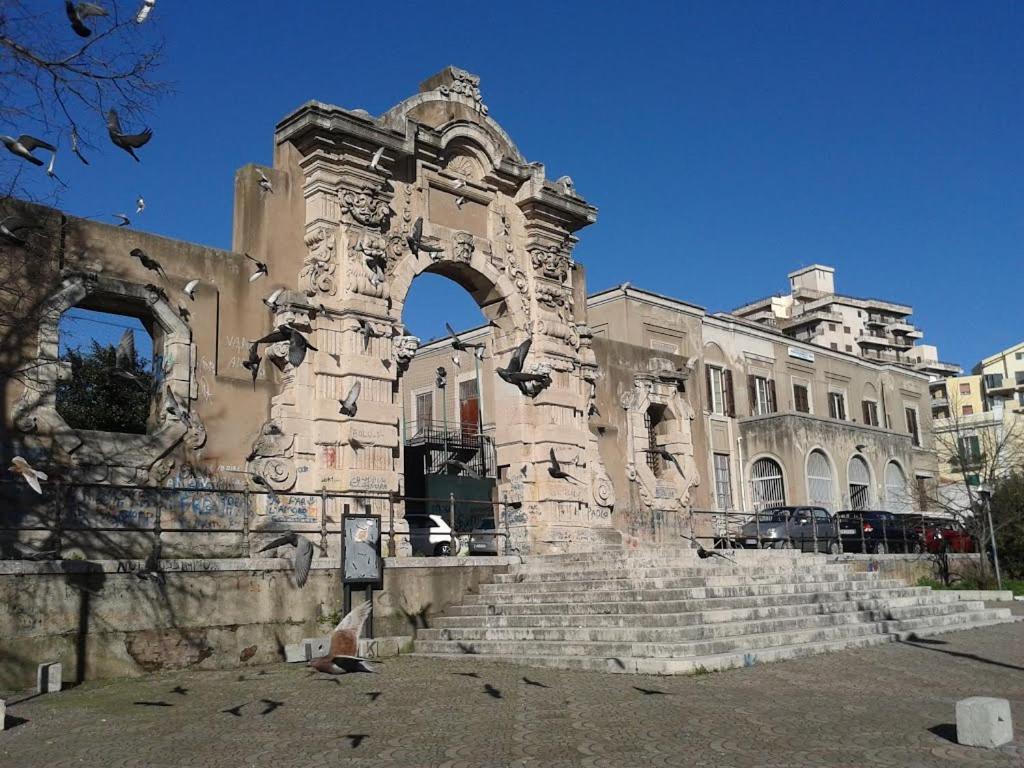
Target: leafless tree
column 58, row 86
column 975, row 451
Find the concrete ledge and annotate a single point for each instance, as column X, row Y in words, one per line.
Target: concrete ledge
column 988, row 595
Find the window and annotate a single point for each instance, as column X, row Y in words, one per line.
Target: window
column 652, row 417
column 723, row 483
column 1018, row 377
column 849, row 348
column 831, row 326
column 846, row 330
column 766, row 485
column 922, row 492
column 993, row 380
column 859, row 483
column 968, row 410
column 965, row 388
column 719, row 390
column 1019, row 355
column 968, row 450
column 423, row 408
column 834, row 346
column 819, row 480
column 762, row 396
column 911, row 414
column 870, row 413
column 837, row 405
column 801, row 398
column 896, row 497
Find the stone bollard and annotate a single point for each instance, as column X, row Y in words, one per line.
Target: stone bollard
column 982, row 721
column 48, row 677
column 309, row 648
column 3, row 714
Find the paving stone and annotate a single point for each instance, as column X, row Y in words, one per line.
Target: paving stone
column 983, row 721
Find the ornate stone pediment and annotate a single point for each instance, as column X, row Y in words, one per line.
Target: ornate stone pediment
column 463, row 83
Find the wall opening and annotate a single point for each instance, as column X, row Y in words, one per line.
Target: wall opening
column 860, row 483
column 766, row 484
column 819, row 480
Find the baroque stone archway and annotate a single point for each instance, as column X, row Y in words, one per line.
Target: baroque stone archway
column 490, row 221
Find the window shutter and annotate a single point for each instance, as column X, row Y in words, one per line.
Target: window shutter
column 867, row 412
column 730, row 400
column 707, row 383
column 771, row 396
column 752, row 393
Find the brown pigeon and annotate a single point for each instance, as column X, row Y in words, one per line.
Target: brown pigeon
column 342, row 654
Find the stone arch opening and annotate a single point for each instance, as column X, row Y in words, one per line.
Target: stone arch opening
column 820, row 479
column 897, row 496
column 859, row 482
column 767, row 484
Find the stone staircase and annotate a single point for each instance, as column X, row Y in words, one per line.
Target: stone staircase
column 666, row 612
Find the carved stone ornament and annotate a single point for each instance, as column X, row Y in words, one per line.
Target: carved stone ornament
column 464, row 84
column 404, row 350
column 555, row 298
column 551, row 262
column 271, row 457
column 317, row 275
column 366, row 207
column 519, row 280
column 462, row 247
column 465, row 166
column 369, row 265
column 159, row 471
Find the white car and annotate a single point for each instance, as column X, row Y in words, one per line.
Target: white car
column 430, row 535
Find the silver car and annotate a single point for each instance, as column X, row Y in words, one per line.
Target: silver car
column 809, row 529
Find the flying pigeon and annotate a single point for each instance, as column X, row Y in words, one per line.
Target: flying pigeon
column 459, row 202
column 150, row 570
column 174, row 407
column 29, row 552
column 460, row 183
column 123, row 220
column 190, row 288
column 148, row 262
column 667, row 455
column 32, row 476
column 264, row 182
column 144, row 9
column 252, row 364
column 124, row 359
column 704, row 554
column 49, row 169
column 77, row 13
column 262, row 482
column 24, row 145
column 464, row 346
column 303, row 553
column 271, row 300
column 348, row 405
column 74, row 147
column 12, row 225
column 297, row 343
column 261, row 269
column 368, row 332
column 129, row 142
column 140, row 204
column 514, row 374
column 375, row 160
column 419, row 242
column 556, row 471
column 342, row 652
column 183, row 313
column 454, row 467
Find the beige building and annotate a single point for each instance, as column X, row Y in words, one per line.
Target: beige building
column 873, row 329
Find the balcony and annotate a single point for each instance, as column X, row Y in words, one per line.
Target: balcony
column 449, row 447
column 900, row 328
column 871, row 340
column 813, row 316
column 940, row 402
column 937, row 367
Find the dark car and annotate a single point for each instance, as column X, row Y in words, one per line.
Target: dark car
column 878, row 531
column 808, row 529
column 483, row 540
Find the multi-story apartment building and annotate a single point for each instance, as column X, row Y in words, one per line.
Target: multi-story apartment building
column 1002, row 377
column 767, row 419
column 873, row 329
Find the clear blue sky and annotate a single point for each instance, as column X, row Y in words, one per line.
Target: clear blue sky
column 725, row 144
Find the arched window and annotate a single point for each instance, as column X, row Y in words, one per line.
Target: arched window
column 767, row 488
column 860, row 483
column 819, row 480
column 897, row 496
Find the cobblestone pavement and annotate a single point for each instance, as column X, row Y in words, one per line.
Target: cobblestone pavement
column 886, row 706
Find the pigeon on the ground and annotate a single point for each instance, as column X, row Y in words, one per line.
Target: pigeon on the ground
column 129, row 142
column 190, row 288
column 147, row 261
column 144, row 10
column 704, row 554
column 264, row 182
column 261, row 269
column 252, row 363
column 78, row 12
column 349, row 405
column 303, row 554
column 297, row 343
column 31, row 475
column 342, row 654
column 23, row 145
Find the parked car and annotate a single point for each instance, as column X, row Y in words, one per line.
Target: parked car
column 792, row 528
column 878, row 531
column 430, row 535
column 483, row 540
column 939, row 535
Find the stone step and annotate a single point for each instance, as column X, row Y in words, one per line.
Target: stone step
column 699, row 603
column 746, row 643
column 549, row 563
column 717, row 579
column 700, row 664
column 948, row 622
column 659, row 572
column 897, row 608
column 634, row 594
column 678, row 634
